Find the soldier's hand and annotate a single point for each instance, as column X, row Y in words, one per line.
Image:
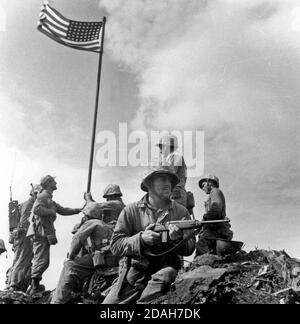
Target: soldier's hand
column 175, row 233
column 150, row 237
column 87, row 196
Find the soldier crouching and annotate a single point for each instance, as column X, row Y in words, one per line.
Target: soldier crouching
column 142, row 276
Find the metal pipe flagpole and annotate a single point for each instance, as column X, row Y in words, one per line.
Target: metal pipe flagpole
column 96, row 108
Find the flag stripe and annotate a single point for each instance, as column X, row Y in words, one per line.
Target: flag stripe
column 48, row 16
column 57, row 15
column 42, row 28
column 76, row 34
column 55, row 28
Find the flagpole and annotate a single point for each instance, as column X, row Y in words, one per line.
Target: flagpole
column 96, row 109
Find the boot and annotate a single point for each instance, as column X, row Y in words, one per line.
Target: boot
column 35, row 286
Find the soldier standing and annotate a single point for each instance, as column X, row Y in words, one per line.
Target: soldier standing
column 42, row 229
column 168, row 155
column 22, row 246
column 215, row 209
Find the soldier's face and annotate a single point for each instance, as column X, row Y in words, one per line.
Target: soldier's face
column 162, row 186
column 206, row 187
column 52, row 184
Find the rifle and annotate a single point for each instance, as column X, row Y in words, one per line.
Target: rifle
column 184, row 225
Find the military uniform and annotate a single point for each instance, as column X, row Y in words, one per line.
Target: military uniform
column 19, row 279
column 42, row 230
column 215, row 209
column 143, row 276
column 176, row 161
column 80, row 266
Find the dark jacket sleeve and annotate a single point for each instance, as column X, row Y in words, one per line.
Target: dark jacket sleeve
column 216, row 206
column 125, row 241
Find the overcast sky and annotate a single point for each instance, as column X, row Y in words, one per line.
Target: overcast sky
column 229, row 68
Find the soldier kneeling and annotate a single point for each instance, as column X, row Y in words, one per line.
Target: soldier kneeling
column 90, row 253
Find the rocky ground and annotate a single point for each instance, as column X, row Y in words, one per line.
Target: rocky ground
column 257, row 277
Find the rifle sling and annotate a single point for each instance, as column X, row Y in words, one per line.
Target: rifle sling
column 175, row 247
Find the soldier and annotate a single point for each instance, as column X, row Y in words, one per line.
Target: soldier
column 42, row 229
column 215, row 209
column 22, row 246
column 141, row 276
column 90, row 245
column 109, row 210
column 168, row 154
column 2, row 247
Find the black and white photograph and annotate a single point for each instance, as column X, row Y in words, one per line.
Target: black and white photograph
column 150, row 155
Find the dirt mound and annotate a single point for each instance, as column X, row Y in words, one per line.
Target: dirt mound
column 18, row 297
column 257, row 277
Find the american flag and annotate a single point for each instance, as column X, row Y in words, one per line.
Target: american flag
column 77, row 34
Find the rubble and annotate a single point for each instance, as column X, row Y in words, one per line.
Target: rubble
column 257, row 277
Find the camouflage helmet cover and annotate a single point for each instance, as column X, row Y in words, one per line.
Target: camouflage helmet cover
column 112, row 189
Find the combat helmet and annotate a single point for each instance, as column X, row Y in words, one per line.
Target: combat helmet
column 112, row 189
column 210, row 177
column 159, row 169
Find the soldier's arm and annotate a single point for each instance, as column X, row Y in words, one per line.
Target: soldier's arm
column 122, row 241
column 65, row 211
column 215, row 210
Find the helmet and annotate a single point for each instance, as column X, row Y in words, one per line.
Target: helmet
column 37, row 188
column 168, row 140
column 160, row 169
column 210, row 177
column 112, row 189
column 45, row 179
column 2, row 246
